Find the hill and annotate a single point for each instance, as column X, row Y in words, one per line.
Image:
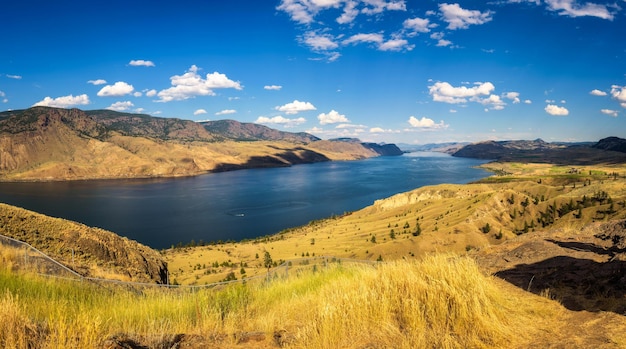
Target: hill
column 538, row 151
column 243, row 131
column 43, row 143
column 91, row 252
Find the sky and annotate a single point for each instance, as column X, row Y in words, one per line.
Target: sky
column 393, row 71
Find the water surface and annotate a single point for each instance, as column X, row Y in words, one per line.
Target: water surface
column 236, row 205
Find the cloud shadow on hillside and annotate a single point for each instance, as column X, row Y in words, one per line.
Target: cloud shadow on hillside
column 578, row 284
column 285, row 159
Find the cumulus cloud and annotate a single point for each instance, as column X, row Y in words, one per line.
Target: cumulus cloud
column 619, row 93
column 460, row 18
column 63, row 102
column 295, row 107
column 332, row 117
column 280, row 120
column 121, row 106
column 151, row 93
column 395, row 45
column 141, row 63
column 571, row 8
column 364, row 38
column 272, row 87
column 445, row 92
column 597, row 92
column 556, row 110
column 191, row 84
column 319, row 42
column 514, row 96
column 97, row 82
column 226, row 112
column 610, row 112
column 426, row 123
column 418, row 25
column 493, row 102
column 304, row 11
column 120, row 88
column 199, row 112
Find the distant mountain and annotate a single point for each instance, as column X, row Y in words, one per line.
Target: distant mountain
column 449, row 147
column 611, row 143
column 43, row 143
column 542, row 152
column 242, row 131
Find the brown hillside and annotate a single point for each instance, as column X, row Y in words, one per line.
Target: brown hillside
column 91, row 252
column 59, row 144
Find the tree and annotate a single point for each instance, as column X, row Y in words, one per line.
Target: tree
column 418, row 230
column 267, row 261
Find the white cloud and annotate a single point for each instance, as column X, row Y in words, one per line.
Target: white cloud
column 597, row 92
column 2, row 95
column 137, row 94
column 460, row 18
column 16, row 77
column 319, row 42
column 191, row 84
column 63, row 102
column 493, row 102
column 619, row 93
column 444, row 92
column 280, row 120
column 364, row 38
column 295, row 107
column 556, row 110
column 332, row 117
column 199, row 112
column 418, row 25
column 226, row 112
column 350, row 12
column 514, row 96
column 141, row 63
column 572, row 9
column 120, row 88
column 610, row 112
column 272, row 87
column 121, row 106
column 395, row 45
column 528, row 101
column 151, row 93
column 426, row 123
column 97, row 82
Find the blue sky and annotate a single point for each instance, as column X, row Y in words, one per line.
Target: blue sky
column 380, row 70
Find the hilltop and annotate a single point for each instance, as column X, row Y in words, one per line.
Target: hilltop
column 44, row 143
column 608, row 150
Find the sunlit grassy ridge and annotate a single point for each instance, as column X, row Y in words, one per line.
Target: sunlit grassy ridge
column 443, row 301
column 522, row 198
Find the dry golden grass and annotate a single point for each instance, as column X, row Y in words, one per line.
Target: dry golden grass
column 443, row 301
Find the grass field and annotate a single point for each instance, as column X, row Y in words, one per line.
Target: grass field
column 442, row 301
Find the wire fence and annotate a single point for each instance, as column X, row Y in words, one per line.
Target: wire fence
column 24, row 257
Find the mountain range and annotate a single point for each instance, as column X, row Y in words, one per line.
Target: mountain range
column 43, row 143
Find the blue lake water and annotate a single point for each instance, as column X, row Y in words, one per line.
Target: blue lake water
column 236, row 205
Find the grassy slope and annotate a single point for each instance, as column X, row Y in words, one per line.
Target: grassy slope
column 452, row 218
column 444, row 301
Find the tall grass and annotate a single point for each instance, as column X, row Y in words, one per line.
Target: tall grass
column 441, row 302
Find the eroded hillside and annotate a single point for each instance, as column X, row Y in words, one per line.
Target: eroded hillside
column 60, row 144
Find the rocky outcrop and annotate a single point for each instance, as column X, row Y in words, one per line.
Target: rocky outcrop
column 584, row 270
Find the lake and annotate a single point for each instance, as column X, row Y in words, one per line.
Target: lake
column 236, row 205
